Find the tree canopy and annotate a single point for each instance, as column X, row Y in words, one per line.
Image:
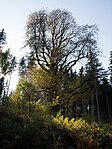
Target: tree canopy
column 56, row 41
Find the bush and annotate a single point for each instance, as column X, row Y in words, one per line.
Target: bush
column 41, row 130
column 88, row 135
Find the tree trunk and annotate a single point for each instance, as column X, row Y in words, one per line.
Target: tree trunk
column 108, row 108
column 97, row 102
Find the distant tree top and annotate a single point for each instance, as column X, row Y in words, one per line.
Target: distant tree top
column 2, row 37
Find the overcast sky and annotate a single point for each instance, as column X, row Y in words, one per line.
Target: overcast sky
column 14, row 13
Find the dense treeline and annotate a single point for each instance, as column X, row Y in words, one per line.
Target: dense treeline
column 63, row 97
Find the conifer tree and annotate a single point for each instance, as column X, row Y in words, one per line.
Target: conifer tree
column 110, row 67
column 95, row 71
column 7, row 65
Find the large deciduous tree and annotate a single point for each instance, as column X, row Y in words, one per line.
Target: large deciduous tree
column 57, row 44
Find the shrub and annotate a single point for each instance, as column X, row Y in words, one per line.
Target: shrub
column 88, row 135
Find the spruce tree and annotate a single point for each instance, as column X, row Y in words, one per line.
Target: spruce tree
column 7, row 65
column 95, row 71
column 110, row 67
